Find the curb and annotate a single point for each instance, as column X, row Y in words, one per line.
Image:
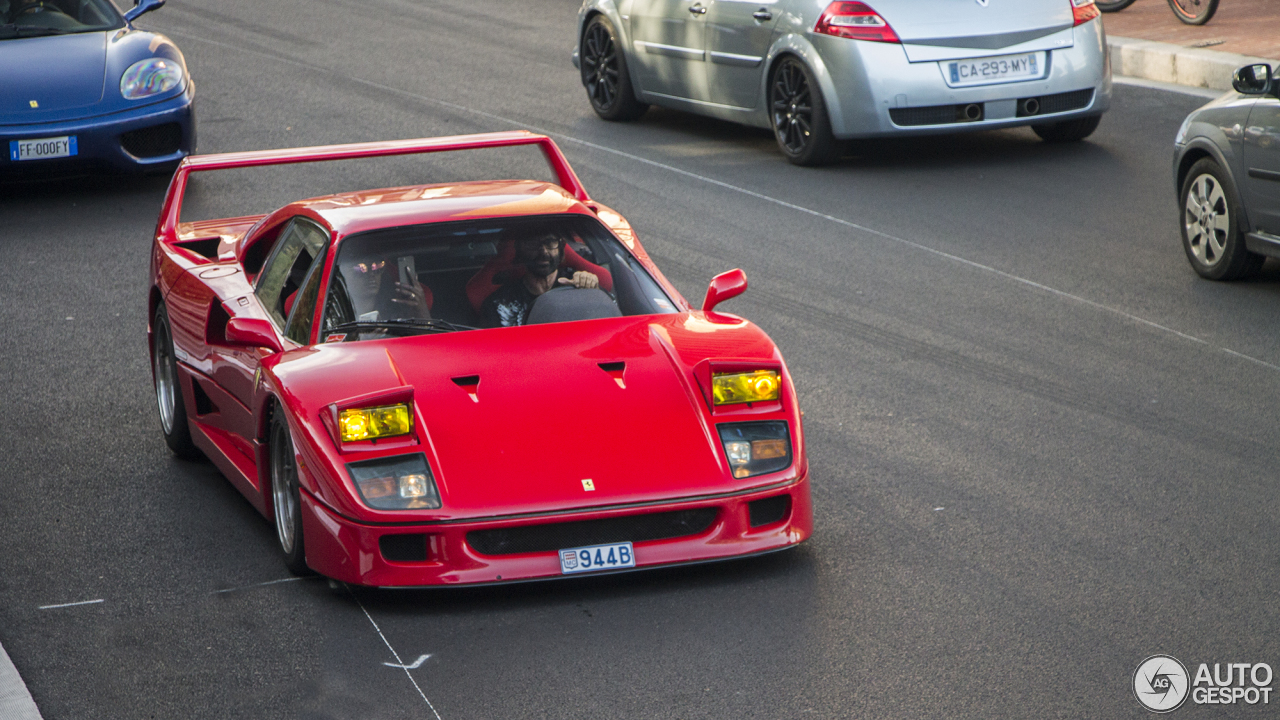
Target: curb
column 1165, row 62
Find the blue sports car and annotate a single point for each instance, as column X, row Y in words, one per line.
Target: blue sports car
column 82, row 90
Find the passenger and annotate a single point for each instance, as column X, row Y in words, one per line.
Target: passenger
column 376, row 294
column 541, row 256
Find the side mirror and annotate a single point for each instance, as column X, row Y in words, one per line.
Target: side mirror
column 253, row 332
column 724, row 286
column 143, row 7
column 1252, row 79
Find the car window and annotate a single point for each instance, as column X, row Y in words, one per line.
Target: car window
column 30, row 16
column 300, row 247
column 479, row 275
column 303, row 312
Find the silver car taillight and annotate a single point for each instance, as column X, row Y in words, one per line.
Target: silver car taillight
column 856, row 21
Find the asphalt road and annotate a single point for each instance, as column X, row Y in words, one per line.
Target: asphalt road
column 1042, row 448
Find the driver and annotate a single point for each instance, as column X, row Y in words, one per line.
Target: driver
column 541, row 255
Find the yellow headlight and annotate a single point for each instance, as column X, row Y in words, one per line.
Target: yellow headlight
column 376, row 422
column 757, row 386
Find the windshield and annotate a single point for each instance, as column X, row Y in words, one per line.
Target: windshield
column 447, row 277
column 25, row 18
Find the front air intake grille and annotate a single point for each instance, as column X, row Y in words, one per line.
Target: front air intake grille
column 768, row 510
column 1065, row 102
column 408, row 547
column 153, row 141
column 557, row 536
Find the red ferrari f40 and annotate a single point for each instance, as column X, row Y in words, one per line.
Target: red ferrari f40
column 473, row 382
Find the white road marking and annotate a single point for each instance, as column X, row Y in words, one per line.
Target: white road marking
column 74, row 604
column 396, row 655
column 417, row 664
column 256, row 585
column 744, row 191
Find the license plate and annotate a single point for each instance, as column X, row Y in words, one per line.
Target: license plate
column 983, row 71
column 597, row 557
column 42, row 148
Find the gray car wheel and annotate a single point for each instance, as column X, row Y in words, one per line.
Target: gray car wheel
column 164, row 373
column 604, row 73
column 286, row 501
column 1211, row 233
column 1068, row 130
column 799, row 115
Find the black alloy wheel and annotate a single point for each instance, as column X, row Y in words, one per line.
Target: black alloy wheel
column 604, row 73
column 799, row 115
column 164, row 372
column 286, row 500
column 1194, row 12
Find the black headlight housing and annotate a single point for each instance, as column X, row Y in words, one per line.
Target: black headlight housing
column 400, row 482
column 755, row 448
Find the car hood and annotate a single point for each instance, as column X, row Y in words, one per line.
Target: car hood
column 975, row 28
column 544, row 415
column 59, row 73
column 77, row 76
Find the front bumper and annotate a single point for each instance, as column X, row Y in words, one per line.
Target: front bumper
column 353, row 552
column 878, row 92
column 100, row 144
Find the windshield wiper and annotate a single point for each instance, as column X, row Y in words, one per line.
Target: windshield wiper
column 12, row 31
column 401, row 323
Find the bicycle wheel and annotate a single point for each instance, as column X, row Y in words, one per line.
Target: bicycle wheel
column 1112, row 5
column 1194, row 12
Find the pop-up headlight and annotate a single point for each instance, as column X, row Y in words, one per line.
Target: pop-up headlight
column 356, row 424
column 756, row 448
column 745, row 387
column 403, row 482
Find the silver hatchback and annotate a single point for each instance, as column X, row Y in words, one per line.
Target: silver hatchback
column 817, row 72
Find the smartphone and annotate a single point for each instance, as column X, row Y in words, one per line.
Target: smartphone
column 408, row 274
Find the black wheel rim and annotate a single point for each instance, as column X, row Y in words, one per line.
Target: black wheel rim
column 284, row 480
column 792, row 107
column 600, row 66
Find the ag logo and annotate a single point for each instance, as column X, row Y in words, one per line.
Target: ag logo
column 1160, row 683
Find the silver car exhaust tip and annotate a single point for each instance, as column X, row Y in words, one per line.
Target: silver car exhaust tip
column 1030, row 106
column 972, row 112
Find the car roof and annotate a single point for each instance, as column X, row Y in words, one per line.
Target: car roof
column 360, row 211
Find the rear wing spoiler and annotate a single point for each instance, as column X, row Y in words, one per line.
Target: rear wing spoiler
column 167, row 227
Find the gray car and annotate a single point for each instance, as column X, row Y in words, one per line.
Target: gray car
column 818, row 72
column 1226, row 170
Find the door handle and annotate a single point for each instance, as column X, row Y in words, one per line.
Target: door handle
column 762, row 15
column 697, row 9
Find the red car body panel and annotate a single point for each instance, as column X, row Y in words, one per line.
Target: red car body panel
column 509, row 451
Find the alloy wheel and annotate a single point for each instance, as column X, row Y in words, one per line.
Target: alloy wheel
column 284, row 481
column 792, row 107
column 166, row 381
column 1207, row 219
column 600, row 66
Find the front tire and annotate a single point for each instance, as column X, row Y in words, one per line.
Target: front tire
column 798, row 114
column 1068, row 130
column 604, row 73
column 1194, row 12
column 286, row 499
column 1211, row 232
column 164, row 373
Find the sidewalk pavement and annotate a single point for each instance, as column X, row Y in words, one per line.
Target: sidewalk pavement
column 1148, row 42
